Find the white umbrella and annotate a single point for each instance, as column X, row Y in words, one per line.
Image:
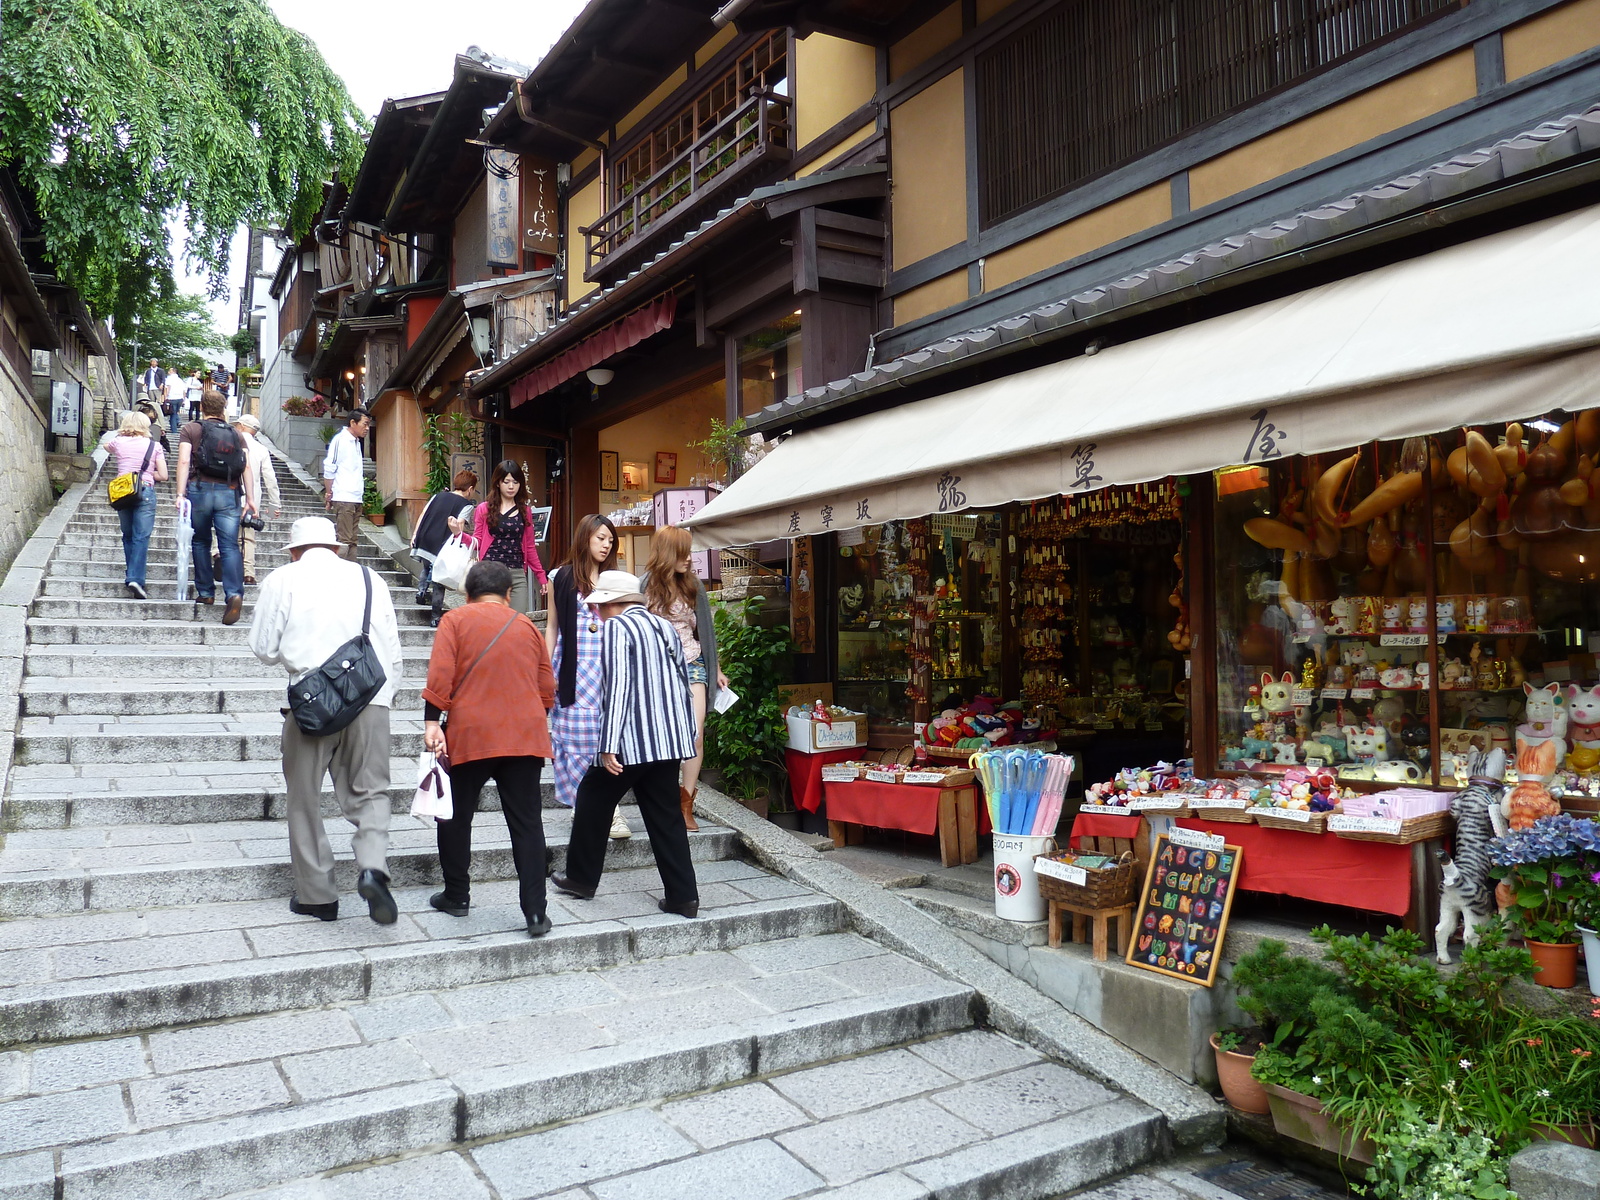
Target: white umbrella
column 183, row 529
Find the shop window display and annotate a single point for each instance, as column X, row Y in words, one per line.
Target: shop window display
column 1389, row 609
column 876, row 589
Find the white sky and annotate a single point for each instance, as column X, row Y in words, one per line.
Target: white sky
column 387, row 48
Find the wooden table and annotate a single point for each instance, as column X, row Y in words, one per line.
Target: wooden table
column 953, row 813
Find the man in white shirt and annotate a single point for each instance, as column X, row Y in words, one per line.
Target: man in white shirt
column 173, row 392
column 306, row 610
column 343, row 479
column 266, row 485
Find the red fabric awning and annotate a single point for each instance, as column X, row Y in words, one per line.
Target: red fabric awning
column 628, row 331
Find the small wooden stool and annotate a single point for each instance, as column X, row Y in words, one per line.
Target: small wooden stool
column 1122, row 914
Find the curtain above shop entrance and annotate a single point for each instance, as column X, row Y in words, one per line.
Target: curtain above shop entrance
column 1492, row 330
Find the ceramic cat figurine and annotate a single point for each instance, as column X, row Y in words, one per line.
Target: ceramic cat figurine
column 1392, row 622
column 1417, row 616
column 1531, row 799
column 1367, row 744
column 1544, row 719
column 1276, row 694
column 1583, row 715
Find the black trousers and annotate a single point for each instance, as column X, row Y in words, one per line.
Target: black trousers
column 655, row 787
column 518, row 781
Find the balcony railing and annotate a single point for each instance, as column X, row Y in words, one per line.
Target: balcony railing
column 756, row 131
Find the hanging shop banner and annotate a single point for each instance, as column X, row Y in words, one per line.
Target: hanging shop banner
column 504, row 198
column 1477, row 333
column 1182, row 914
column 803, row 599
column 66, row 408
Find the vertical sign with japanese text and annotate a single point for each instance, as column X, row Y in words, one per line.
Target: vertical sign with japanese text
column 504, row 247
column 66, row 408
column 802, row 599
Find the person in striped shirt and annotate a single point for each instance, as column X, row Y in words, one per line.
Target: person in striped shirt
column 647, row 729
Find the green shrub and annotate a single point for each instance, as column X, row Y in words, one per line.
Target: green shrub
column 745, row 744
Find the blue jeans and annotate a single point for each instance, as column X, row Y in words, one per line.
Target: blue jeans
column 176, row 418
column 216, row 506
column 137, row 522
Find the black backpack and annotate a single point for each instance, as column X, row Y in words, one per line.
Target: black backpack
column 220, row 453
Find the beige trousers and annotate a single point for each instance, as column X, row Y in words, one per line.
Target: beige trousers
column 346, row 515
column 247, row 547
column 358, row 757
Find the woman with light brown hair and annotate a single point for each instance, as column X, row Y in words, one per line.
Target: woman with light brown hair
column 672, row 590
column 572, row 631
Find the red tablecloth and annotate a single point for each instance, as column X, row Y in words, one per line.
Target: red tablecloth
column 906, row 806
column 805, row 774
column 1369, row 875
column 1093, row 824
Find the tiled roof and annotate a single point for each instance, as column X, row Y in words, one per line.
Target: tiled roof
column 1544, row 146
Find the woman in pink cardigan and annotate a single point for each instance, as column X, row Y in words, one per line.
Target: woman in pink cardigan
column 503, row 532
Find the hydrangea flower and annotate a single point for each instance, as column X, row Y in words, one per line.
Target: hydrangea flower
column 1560, row 836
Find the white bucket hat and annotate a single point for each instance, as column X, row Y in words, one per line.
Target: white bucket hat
column 615, row 587
column 312, row 531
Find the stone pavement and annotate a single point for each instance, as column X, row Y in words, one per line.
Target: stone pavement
column 168, row 1030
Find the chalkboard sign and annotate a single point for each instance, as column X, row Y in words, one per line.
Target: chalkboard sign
column 1182, row 913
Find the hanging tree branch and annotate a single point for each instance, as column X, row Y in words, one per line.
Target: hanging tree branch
column 120, row 115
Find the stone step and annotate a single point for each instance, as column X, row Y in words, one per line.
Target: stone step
column 117, row 605
column 213, row 1112
column 163, row 569
column 93, row 975
column 189, row 793
column 109, row 550
column 119, row 741
column 46, row 697
column 174, row 662
column 195, row 631
column 967, row 914
column 968, row 1114
column 134, row 866
column 161, row 592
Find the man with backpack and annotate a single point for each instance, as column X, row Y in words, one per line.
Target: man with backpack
column 212, row 467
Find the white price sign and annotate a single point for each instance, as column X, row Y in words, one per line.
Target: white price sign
column 1333, row 693
column 1218, row 802
column 838, row 774
column 1303, row 697
column 1361, row 693
column 1150, row 802
column 1061, row 870
column 1194, row 839
column 883, row 776
column 1407, row 639
column 1302, row 815
column 1344, row 824
column 922, row 777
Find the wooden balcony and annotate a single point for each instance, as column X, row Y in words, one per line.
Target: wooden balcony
column 757, row 134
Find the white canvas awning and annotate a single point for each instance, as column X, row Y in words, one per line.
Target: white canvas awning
column 1496, row 329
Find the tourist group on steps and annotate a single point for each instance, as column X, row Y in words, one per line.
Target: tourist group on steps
column 614, row 690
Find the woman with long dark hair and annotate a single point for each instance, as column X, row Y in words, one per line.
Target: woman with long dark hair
column 503, row 532
column 573, row 632
column 672, row 590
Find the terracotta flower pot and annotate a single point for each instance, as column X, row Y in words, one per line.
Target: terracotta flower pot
column 1576, row 1135
column 1239, row 1087
column 1557, row 963
column 1299, row 1116
column 375, row 518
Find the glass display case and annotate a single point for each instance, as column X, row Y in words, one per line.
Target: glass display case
column 1390, row 609
column 875, row 594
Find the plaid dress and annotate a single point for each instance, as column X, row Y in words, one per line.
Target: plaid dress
column 575, row 728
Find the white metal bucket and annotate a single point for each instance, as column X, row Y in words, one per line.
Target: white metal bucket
column 1016, row 886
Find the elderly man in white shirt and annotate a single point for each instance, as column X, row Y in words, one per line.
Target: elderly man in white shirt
column 306, row 610
column 343, row 479
column 266, row 476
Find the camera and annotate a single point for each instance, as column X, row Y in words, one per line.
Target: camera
column 256, row 523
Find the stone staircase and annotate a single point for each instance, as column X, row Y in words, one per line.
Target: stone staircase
column 169, row 1030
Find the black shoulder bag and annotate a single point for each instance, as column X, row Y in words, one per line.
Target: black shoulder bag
column 336, row 693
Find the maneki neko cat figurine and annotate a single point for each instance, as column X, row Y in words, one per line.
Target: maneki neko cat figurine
column 1583, row 716
column 1544, row 719
column 1277, row 696
column 1531, row 799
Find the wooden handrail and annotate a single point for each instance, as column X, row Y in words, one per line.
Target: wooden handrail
column 645, row 204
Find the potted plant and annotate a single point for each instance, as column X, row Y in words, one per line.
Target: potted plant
column 1542, row 867
column 1236, row 1051
column 724, row 446
column 372, row 502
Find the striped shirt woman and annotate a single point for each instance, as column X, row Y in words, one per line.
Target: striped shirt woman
column 644, row 701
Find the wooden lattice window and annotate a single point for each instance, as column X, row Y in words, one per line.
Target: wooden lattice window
column 1092, row 85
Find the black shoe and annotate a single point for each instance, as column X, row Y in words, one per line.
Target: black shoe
column 136, row 590
column 433, row 622
column 373, row 887
column 235, row 607
column 540, row 925
column 445, row 905
column 323, row 912
column 691, row 909
column 562, row 883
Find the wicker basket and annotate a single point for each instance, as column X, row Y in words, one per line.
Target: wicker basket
column 1412, row 829
column 1108, row 887
column 950, row 754
column 1271, row 818
column 1228, row 816
column 1179, row 807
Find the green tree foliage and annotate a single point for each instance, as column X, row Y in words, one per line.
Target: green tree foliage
column 120, row 115
column 177, row 330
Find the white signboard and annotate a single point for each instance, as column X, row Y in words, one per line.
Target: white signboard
column 1061, row 870
column 66, row 408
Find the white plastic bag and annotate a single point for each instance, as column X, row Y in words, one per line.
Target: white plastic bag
column 183, row 528
column 432, row 799
column 451, row 564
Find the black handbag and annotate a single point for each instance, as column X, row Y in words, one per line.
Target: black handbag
column 329, row 698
